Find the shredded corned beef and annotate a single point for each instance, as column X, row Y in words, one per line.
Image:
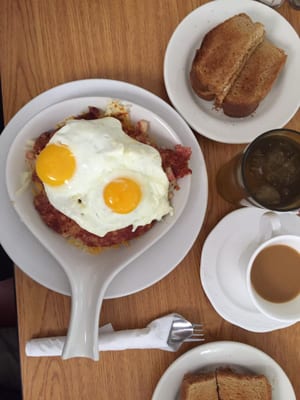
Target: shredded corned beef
column 68, row 228
column 174, row 162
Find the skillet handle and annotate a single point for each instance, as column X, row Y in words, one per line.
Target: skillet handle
column 87, row 297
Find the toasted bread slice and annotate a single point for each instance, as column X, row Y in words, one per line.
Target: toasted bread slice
column 199, row 387
column 255, row 80
column 232, row 386
column 222, row 54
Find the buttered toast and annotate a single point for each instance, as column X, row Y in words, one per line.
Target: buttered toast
column 232, row 386
column 224, row 384
column 199, row 386
column 255, row 80
column 222, row 55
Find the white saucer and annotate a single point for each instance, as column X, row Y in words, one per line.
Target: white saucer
column 223, row 268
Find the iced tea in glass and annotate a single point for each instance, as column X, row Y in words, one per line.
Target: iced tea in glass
column 266, row 174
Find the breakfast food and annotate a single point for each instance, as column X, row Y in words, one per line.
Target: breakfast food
column 236, row 66
column 198, row 387
column 113, row 171
column 100, row 181
column 255, row 80
column 232, row 386
column 224, row 384
column 222, row 55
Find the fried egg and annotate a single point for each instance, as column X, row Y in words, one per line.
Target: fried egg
column 101, row 178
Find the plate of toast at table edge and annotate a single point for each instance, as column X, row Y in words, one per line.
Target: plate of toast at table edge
column 237, row 72
column 224, row 370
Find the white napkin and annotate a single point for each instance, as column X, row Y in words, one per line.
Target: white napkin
column 154, row 336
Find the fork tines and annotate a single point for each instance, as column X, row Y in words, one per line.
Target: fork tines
column 197, row 335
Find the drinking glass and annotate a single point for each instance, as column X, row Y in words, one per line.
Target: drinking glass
column 295, row 4
column 272, row 3
column 266, row 174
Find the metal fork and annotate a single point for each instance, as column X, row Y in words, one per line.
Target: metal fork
column 183, row 330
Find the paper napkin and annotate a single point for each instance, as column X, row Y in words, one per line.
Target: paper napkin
column 153, row 336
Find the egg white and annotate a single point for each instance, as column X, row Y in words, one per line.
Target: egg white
column 103, row 152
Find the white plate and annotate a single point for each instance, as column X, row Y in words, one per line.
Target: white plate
column 211, row 355
column 22, row 200
column 274, row 111
column 223, row 269
column 158, row 261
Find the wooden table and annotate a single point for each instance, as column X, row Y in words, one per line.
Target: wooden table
column 43, row 44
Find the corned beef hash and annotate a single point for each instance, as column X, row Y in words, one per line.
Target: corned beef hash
column 99, row 180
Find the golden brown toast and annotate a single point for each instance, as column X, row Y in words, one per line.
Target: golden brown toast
column 224, row 384
column 255, row 80
column 199, row 387
column 232, row 386
column 222, row 54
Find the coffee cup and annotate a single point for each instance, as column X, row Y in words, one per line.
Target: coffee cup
column 273, row 272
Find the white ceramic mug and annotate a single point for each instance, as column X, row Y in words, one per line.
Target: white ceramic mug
column 288, row 311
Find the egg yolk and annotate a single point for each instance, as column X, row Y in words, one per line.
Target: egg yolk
column 122, row 195
column 55, row 164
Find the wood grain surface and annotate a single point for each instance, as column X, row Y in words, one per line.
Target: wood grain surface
column 45, row 43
